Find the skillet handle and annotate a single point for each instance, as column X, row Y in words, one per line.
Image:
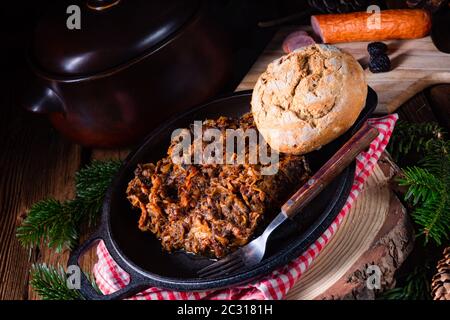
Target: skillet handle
column 137, row 283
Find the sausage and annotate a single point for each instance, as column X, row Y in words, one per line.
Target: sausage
column 297, row 40
column 362, row 26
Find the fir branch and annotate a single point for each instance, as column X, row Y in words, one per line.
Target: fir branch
column 428, row 185
column 57, row 223
column 422, row 184
column 437, row 157
column 50, row 283
column 417, row 286
column 434, row 219
column 428, row 190
column 49, row 221
column 91, row 185
column 408, row 137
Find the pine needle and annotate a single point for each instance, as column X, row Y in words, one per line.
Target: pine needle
column 57, row 223
column 49, row 221
column 412, row 137
column 428, row 191
column 422, row 184
column 91, row 185
column 50, row 283
column 428, row 183
column 417, row 286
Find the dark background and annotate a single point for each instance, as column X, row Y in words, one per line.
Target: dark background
column 240, row 18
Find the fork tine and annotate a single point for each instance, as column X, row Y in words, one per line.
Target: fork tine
column 220, row 268
column 230, row 267
column 221, row 263
column 226, row 270
column 216, row 268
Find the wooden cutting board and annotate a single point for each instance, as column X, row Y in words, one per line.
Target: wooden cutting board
column 416, row 64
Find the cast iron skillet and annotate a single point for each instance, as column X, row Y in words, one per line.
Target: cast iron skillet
column 140, row 254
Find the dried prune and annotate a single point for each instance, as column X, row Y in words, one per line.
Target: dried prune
column 377, row 48
column 380, row 63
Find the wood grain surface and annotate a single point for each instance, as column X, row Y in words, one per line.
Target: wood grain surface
column 416, row 65
column 37, row 164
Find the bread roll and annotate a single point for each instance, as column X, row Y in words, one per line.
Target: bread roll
column 308, row 98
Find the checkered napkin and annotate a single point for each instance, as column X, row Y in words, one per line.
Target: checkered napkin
column 110, row 277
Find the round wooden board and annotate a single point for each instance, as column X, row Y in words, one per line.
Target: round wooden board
column 376, row 231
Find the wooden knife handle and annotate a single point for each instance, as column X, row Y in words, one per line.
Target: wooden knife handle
column 330, row 170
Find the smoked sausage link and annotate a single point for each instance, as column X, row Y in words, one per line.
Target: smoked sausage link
column 363, row 26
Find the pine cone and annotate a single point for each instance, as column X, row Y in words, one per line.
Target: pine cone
column 440, row 284
column 340, row 6
column 431, row 5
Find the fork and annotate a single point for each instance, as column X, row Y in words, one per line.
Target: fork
column 253, row 252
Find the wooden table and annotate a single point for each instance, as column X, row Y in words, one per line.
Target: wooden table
column 39, row 163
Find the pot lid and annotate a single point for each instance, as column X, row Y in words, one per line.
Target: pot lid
column 111, row 33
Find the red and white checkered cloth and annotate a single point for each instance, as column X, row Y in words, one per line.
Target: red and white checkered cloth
column 110, row 277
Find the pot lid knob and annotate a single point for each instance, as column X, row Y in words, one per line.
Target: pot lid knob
column 101, row 4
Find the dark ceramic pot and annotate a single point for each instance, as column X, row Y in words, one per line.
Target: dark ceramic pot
column 130, row 66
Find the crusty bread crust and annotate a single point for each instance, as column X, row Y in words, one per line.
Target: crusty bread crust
column 308, row 98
